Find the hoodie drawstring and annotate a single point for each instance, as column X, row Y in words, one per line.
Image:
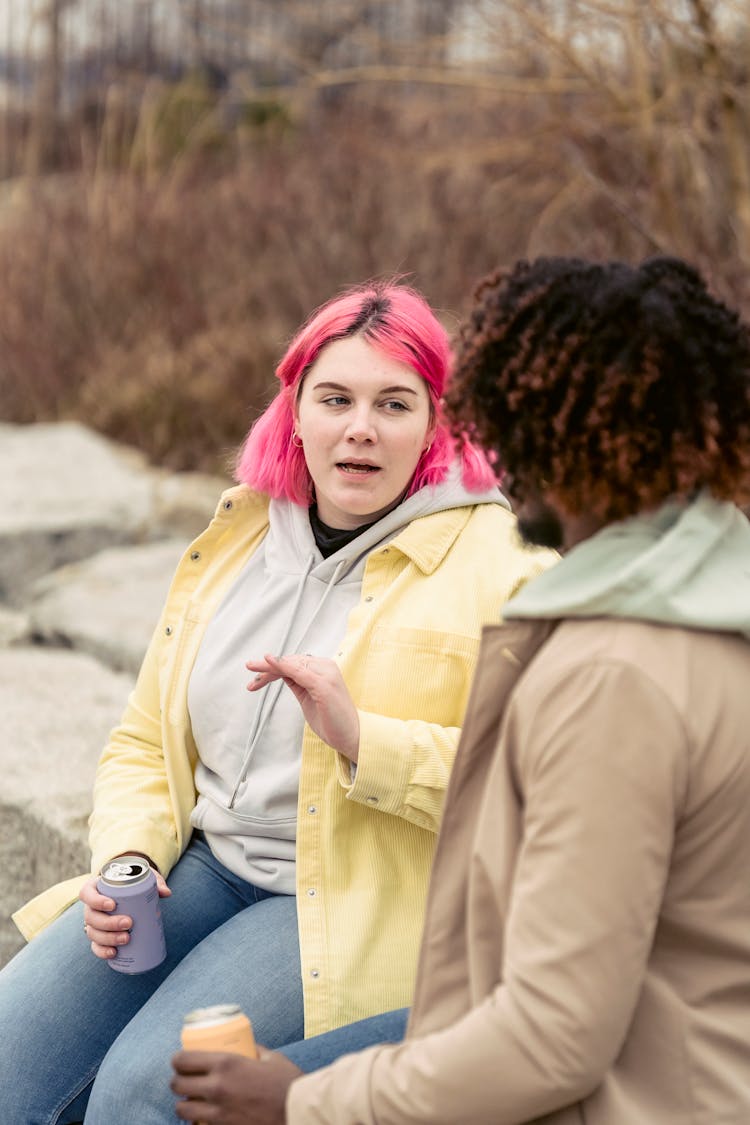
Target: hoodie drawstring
column 273, row 691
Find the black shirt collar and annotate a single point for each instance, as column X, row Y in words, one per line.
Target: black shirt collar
column 332, row 539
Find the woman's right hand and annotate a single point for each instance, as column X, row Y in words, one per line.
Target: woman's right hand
column 104, row 929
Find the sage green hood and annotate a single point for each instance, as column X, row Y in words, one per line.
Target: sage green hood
column 685, row 565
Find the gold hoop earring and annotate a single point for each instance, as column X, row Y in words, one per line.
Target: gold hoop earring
column 296, row 440
column 427, row 449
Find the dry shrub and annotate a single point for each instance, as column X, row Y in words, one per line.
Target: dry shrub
column 156, row 306
column 151, row 291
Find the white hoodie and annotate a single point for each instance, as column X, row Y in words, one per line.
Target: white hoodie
column 287, row 598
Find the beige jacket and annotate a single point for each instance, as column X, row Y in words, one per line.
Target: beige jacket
column 586, row 955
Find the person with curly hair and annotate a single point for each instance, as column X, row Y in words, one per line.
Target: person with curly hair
column 610, row 388
column 587, row 937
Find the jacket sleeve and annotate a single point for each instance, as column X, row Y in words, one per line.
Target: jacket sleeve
column 404, row 764
column 599, row 758
column 403, row 767
column 132, row 805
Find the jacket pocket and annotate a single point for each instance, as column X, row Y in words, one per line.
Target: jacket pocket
column 419, row 674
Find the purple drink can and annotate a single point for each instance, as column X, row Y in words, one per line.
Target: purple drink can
column 129, row 880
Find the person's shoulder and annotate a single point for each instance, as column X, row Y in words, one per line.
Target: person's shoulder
column 489, row 545
column 492, row 519
column 639, row 640
column 239, row 497
column 671, row 657
column 582, row 641
column 497, row 524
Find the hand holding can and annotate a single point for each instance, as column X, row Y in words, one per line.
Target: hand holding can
column 221, row 1027
column 131, row 883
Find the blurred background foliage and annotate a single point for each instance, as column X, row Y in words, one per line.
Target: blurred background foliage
column 183, row 182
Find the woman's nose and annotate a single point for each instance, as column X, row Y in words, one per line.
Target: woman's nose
column 360, row 427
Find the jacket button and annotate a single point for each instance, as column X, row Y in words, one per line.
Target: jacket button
column 168, row 630
column 195, row 555
column 312, row 809
column 368, row 598
column 372, row 800
column 314, row 974
column 228, row 505
column 311, row 892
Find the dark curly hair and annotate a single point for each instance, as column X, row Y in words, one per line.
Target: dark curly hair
column 607, row 386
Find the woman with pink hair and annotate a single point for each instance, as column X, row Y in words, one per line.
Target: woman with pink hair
column 284, row 756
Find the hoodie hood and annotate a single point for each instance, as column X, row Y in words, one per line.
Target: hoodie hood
column 686, row 565
column 291, row 545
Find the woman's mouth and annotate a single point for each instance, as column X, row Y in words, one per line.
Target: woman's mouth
column 357, row 469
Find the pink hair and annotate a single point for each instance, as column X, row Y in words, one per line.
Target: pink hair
column 398, row 321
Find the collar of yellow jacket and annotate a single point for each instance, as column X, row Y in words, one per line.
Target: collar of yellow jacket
column 425, row 541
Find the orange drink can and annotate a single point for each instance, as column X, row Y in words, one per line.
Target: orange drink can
column 222, row 1027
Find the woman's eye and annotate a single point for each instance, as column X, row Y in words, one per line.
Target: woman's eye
column 394, row 404
column 335, row 400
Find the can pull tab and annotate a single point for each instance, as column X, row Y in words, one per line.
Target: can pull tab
column 122, row 870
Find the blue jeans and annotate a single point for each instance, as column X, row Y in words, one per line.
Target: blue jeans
column 76, row 1034
column 320, row 1050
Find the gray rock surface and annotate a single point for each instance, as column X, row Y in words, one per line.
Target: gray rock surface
column 106, row 605
column 14, row 626
column 65, row 493
column 57, row 708
column 90, row 535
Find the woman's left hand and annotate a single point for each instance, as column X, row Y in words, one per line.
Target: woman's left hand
column 321, row 692
column 231, row 1089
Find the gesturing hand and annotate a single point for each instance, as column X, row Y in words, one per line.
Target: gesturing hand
column 226, row 1089
column 322, row 694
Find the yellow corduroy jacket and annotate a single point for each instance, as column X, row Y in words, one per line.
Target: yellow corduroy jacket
column 364, row 846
